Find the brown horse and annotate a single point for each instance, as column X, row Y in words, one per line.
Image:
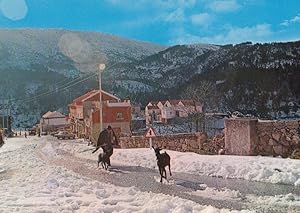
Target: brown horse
column 1, row 139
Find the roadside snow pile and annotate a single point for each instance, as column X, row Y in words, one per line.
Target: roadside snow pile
column 286, row 200
column 16, row 143
column 253, row 168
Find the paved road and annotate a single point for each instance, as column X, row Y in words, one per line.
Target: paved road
column 183, row 184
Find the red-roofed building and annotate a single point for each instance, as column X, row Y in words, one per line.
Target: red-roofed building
column 85, row 116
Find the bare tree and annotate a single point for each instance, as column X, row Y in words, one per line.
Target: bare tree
column 204, row 93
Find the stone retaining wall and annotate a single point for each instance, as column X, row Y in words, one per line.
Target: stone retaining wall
column 256, row 137
column 277, row 137
column 177, row 142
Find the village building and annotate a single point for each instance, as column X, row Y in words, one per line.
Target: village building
column 76, row 114
column 163, row 111
column 136, row 111
column 85, row 114
column 52, row 121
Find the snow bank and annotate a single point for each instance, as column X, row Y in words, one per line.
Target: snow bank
column 287, row 201
column 252, row 168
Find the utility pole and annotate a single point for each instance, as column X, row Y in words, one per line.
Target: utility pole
column 101, row 69
column 2, row 114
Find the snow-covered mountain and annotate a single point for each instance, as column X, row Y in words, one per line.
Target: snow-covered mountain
column 36, row 61
column 262, row 79
column 59, row 50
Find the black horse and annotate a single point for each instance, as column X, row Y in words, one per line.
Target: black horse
column 105, row 141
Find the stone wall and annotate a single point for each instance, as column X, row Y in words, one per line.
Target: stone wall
column 176, row 142
column 278, row 137
column 255, row 137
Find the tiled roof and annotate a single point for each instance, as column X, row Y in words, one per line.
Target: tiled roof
column 188, row 102
column 152, row 107
column 80, row 98
column 103, row 92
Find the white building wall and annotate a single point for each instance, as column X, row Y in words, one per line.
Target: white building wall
column 56, row 121
column 168, row 113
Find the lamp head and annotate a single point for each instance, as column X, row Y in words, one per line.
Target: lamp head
column 101, row 67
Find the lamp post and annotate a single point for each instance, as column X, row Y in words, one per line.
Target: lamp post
column 101, row 69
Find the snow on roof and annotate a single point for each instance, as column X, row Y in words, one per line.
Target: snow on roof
column 80, row 98
column 47, row 114
column 54, row 114
column 185, row 102
column 93, row 93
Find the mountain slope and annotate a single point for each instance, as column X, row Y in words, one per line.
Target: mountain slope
column 262, row 79
column 36, row 61
column 83, row 50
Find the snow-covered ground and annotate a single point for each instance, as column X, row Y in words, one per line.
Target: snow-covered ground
column 30, row 184
column 252, row 168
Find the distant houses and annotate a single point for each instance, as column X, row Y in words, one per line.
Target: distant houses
column 131, row 119
column 163, row 111
column 84, row 114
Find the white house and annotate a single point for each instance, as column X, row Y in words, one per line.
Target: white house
column 152, row 114
column 52, row 121
column 162, row 111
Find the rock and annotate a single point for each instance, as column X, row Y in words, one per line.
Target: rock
column 221, row 152
column 296, row 139
column 295, row 154
column 184, row 147
column 277, row 150
column 276, row 136
column 285, row 152
column 272, row 142
column 194, row 144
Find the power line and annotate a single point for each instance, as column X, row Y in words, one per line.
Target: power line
column 59, row 89
column 46, row 91
column 63, row 87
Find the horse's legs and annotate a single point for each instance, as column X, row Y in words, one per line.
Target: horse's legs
column 161, row 174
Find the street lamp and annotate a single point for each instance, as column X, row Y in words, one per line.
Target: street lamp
column 101, row 69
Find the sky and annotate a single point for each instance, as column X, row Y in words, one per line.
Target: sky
column 166, row 22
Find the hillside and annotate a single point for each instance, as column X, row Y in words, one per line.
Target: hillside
column 261, row 79
column 34, row 61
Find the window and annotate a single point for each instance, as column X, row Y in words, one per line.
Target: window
column 119, row 116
